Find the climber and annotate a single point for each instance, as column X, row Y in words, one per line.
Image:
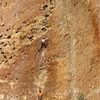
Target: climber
column 40, row 94
column 44, row 43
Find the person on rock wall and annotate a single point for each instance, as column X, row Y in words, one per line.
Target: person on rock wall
column 40, row 94
column 44, row 43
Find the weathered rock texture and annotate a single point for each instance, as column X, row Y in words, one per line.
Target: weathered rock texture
column 68, row 67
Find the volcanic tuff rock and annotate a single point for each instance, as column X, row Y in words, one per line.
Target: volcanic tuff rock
column 69, row 68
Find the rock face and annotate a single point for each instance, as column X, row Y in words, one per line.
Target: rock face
column 68, row 68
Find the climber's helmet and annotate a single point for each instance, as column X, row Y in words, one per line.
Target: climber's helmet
column 43, row 40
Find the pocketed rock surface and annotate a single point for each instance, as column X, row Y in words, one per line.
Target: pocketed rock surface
column 68, row 68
